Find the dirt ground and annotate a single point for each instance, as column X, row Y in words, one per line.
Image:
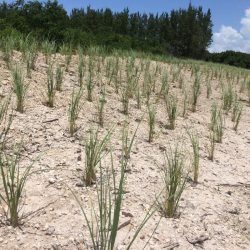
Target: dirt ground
column 215, row 214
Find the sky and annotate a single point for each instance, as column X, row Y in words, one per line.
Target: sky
column 231, row 18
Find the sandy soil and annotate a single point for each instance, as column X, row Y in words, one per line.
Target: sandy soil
column 217, row 209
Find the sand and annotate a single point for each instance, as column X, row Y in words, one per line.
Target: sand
column 214, row 214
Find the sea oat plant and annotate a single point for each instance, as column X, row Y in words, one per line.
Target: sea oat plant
column 20, row 88
column 174, row 181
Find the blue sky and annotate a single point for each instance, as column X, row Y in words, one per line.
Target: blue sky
column 231, row 18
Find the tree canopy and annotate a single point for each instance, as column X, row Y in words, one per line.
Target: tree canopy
column 183, row 32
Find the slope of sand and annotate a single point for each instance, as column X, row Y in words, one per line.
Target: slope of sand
column 217, row 209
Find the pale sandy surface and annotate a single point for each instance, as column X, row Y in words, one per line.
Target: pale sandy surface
column 217, row 208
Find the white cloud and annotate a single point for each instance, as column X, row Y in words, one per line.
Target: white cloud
column 245, row 23
column 229, row 38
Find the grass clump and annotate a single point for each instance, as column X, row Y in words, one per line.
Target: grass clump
column 126, row 141
column 236, row 114
column 13, row 183
column 5, row 121
column 68, row 58
column 80, row 69
column 74, row 109
column 196, row 155
column 211, row 146
column 248, row 91
column 164, row 85
column 104, row 226
column 48, row 49
column 30, row 57
column 217, row 123
column 59, row 77
column 138, row 97
column 185, row 102
column 8, row 46
column 227, row 97
column 90, row 87
column 94, row 152
column 100, row 106
column 195, row 92
column 125, row 100
column 172, row 104
column 208, row 88
column 151, row 121
column 51, row 88
column 174, row 181
column 20, row 88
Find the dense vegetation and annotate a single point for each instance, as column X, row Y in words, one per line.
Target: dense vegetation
column 233, row 58
column 183, row 32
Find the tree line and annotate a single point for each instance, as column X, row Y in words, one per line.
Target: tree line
column 183, row 32
column 233, row 58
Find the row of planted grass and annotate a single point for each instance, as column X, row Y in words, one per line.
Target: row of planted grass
column 133, row 89
column 138, row 80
